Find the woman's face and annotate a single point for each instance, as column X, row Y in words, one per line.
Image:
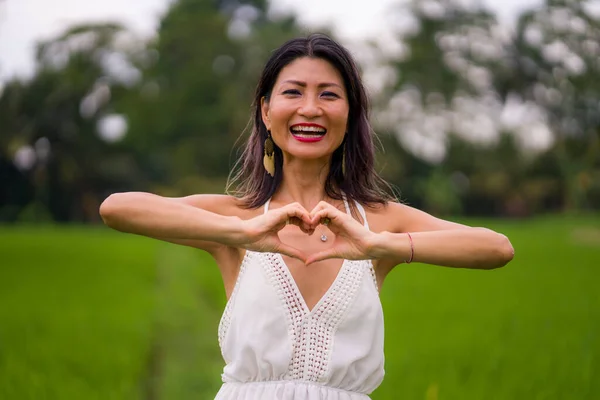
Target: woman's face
column 308, row 109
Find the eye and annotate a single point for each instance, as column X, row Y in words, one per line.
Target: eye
column 292, row 92
column 330, row 95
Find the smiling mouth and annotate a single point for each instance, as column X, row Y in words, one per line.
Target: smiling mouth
column 308, row 132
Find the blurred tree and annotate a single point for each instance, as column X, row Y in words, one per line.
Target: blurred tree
column 476, row 119
column 195, row 98
column 555, row 63
column 106, row 112
column 516, row 114
column 16, row 189
column 59, row 124
column 441, row 106
column 436, row 62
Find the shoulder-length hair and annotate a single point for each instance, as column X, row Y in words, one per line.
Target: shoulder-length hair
column 357, row 179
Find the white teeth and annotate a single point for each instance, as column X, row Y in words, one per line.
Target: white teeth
column 303, row 135
column 308, row 129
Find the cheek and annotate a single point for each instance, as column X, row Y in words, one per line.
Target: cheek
column 281, row 109
column 341, row 118
column 341, row 113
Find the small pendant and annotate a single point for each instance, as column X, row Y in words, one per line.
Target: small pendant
column 323, row 238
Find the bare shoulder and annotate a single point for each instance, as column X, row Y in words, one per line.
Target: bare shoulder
column 397, row 218
column 219, row 204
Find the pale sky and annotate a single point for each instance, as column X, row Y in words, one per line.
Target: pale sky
column 23, row 22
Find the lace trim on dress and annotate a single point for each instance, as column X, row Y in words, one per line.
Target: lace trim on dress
column 373, row 276
column 289, row 296
column 319, row 331
column 312, row 332
column 226, row 317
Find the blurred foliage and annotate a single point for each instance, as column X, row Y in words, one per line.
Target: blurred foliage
column 507, row 120
column 556, row 55
column 474, row 118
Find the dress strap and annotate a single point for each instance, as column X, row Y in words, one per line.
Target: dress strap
column 346, row 203
column 362, row 212
column 267, row 205
column 359, row 207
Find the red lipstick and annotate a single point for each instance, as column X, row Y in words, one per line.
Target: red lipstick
column 308, row 132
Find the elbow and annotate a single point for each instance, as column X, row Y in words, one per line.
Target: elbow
column 110, row 209
column 503, row 252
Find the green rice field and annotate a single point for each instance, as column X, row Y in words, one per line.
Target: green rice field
column 88, row 313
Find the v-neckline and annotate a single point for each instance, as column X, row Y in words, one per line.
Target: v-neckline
column 296, row 288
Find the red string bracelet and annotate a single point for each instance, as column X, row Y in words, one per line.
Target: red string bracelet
column 412, row 249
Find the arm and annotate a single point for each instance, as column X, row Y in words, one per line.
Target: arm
column 193, row 221
column 187, row 221
column 440, row 242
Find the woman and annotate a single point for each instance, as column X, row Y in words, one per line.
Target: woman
column 307, row 241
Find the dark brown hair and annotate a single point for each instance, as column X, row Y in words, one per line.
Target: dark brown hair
column 359, row 181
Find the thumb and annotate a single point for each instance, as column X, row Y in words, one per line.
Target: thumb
column 291, row 252
column 322, row 255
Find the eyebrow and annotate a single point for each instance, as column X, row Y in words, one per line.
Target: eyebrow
column 320, row 85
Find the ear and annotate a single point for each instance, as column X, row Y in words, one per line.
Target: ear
column 264, row 110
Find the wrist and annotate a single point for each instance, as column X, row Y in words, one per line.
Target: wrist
column 379, row 246
column 235, row 232
column 397, row 246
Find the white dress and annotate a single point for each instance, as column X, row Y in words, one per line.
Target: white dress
column 275, row 348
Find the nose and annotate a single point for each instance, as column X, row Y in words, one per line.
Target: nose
column 310, row 108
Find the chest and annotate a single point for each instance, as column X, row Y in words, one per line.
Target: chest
column 315, row 280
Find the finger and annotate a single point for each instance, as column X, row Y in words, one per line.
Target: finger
column 326, row 217
column 280, row 217
column 295, row 210
column 322, row 255
column 291, row 252
column 316, row 217
column 304, row 227
column 294, row 221
column 307, row 229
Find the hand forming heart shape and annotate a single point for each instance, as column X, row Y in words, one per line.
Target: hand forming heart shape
column 352, row 240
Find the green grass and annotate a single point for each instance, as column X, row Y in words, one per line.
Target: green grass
column 76, row 313
column 527, row 331
column 93, row 314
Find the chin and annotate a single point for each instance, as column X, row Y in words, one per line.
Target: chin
column 309, row 154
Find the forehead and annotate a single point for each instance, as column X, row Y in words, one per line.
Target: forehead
column 311, row 71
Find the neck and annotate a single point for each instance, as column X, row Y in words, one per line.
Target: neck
column 303, row 182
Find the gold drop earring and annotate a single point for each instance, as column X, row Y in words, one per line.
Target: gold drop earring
column 269, row 157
